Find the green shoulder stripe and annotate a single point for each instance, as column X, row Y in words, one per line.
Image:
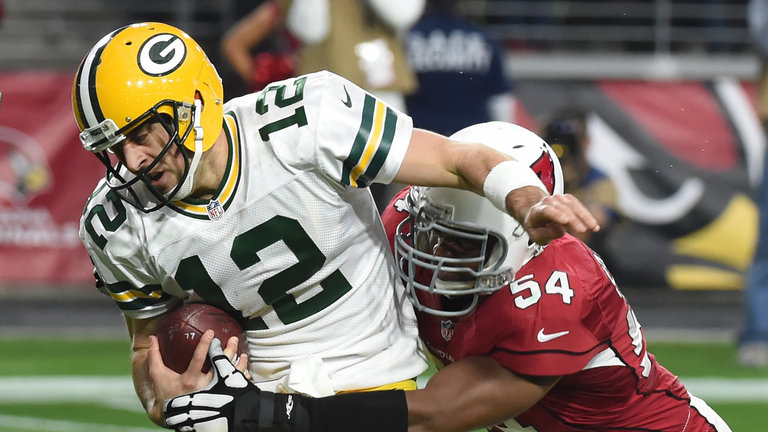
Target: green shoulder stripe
column 130, row 298
column 363, row 134
column 390, row 125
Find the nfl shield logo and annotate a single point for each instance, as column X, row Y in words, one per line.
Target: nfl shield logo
column 215, row 210
column 446, row 329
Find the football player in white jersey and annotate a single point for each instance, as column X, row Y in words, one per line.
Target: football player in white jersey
column 259, row 206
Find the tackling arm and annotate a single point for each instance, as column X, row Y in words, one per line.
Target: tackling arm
column 469, row 394
column 434, row 160
column 473, row 393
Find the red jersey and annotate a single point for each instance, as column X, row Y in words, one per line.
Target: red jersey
column 565, row 316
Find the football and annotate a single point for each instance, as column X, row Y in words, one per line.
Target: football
column 179, row 332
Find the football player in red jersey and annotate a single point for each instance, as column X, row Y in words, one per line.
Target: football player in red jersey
column 534, row 338
column 561, row 348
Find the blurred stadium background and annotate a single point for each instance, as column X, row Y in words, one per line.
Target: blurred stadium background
column 669, row 85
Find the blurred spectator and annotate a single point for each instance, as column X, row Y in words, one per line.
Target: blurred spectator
column 566, row 132
column 357, row 39
column 753, row 339
column 460, row 69
column 259, row 48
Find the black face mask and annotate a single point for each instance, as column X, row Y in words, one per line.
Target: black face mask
column 136, row 189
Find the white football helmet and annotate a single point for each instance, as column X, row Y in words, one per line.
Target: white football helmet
column 497, row 243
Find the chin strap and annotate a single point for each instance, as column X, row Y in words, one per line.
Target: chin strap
column 188, row 185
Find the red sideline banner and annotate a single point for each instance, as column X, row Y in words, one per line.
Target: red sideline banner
column 45, row 179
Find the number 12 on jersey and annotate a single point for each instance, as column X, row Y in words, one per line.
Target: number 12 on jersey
column 298, row 118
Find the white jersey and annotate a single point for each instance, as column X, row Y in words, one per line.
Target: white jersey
column 291, row 243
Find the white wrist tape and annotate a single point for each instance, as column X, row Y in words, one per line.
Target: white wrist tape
column 506, row 177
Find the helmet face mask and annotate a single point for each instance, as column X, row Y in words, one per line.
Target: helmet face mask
column 456, row 244
column 137, row 188
column 147, row 72
column 460, row 259
column 459, row 254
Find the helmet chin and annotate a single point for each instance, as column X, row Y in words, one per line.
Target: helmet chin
column 186, row 187
column 454, row 286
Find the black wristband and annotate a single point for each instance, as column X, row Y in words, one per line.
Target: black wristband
column 245, row 415
column 377, row 411
column 269, row 412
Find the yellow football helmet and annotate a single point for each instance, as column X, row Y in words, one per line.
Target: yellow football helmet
column 140, row 72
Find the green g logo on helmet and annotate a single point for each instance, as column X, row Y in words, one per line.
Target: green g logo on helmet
column 162, row 54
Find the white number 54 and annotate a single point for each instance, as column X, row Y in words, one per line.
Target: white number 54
column 557, row 283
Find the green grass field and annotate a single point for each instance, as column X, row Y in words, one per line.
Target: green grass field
column 64, row 385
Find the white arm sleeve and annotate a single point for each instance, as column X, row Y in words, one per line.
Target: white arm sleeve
column 398, row 14
column 309, row 20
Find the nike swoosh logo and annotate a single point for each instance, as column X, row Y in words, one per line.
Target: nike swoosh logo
column 543, row 337
column 347, row 102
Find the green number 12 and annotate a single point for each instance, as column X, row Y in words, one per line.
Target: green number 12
column 298, row 118
column 191, row 274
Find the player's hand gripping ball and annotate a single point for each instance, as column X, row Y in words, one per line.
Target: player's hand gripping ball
column 179, row 332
